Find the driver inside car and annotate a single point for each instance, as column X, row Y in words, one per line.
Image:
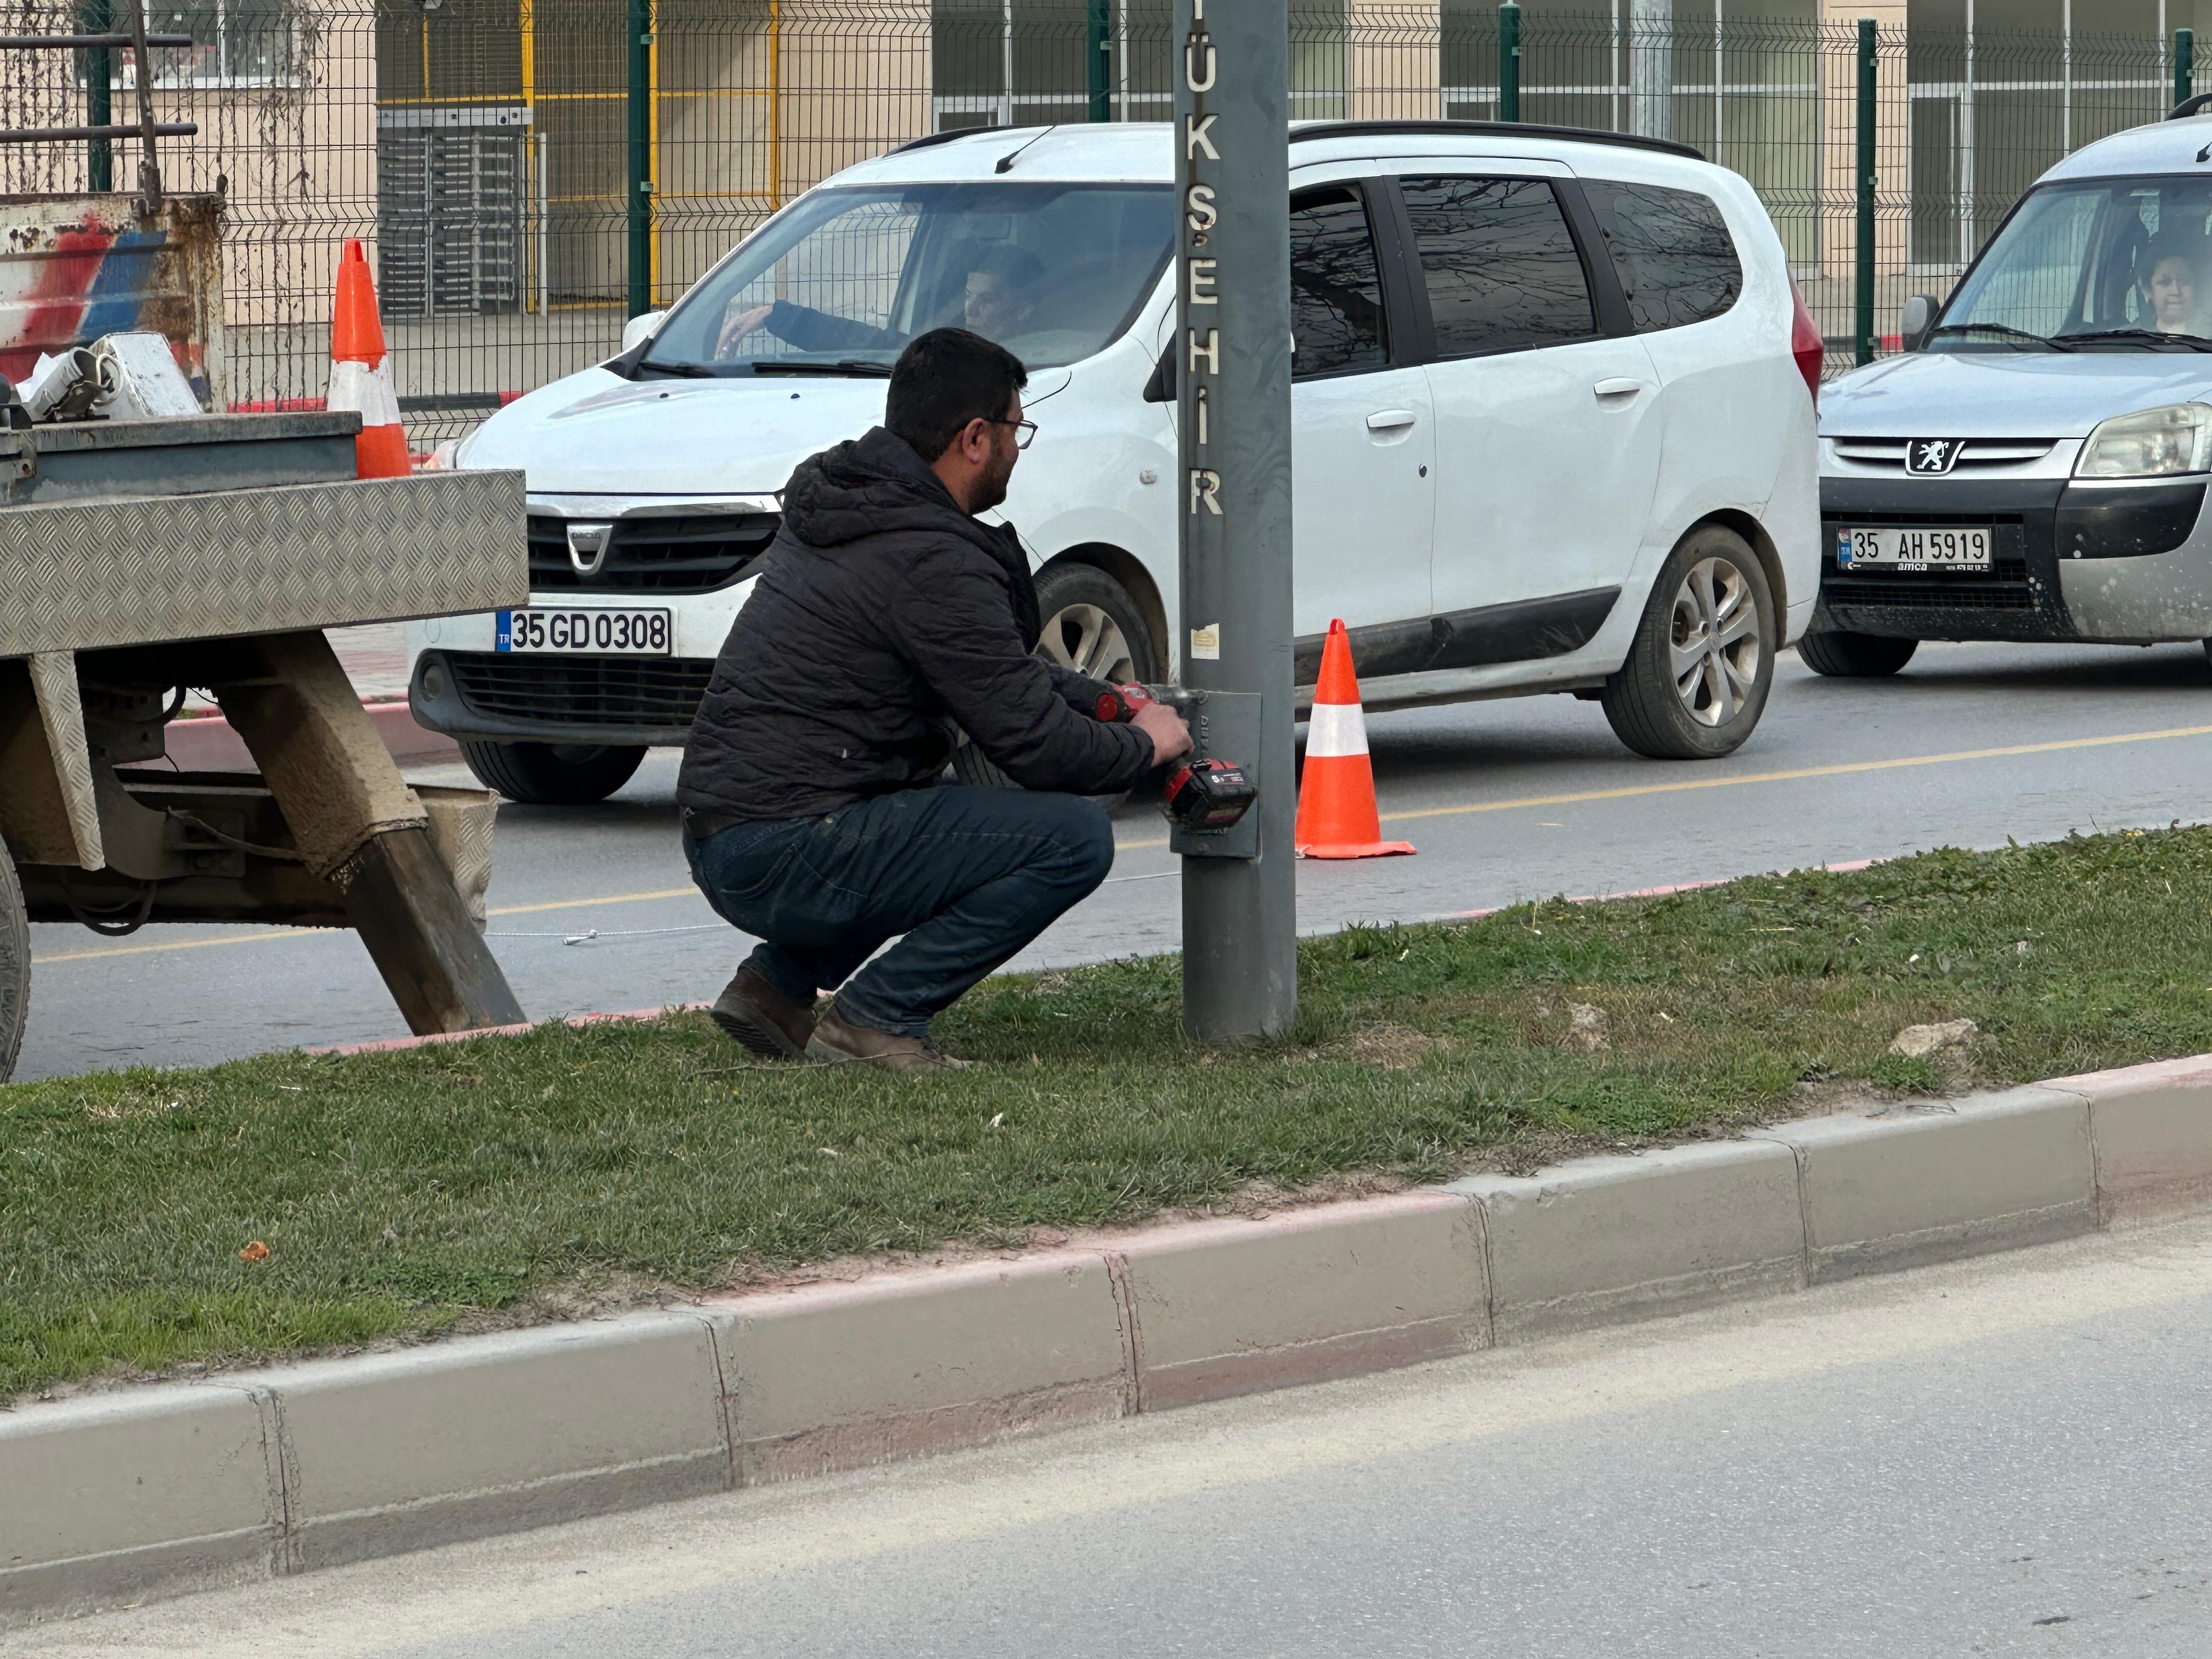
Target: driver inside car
column 997, row 299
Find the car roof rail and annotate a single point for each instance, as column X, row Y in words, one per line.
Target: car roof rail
column 2188, row 106
column 1314, row 129
column 930, row 141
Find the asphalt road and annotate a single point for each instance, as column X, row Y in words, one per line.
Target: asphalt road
column 1507, row 801
column 2010, row 1456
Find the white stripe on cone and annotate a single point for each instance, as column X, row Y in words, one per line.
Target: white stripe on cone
column 370, row 391
column 1335, row 729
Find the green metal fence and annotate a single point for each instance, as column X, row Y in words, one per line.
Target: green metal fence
column 533, row 172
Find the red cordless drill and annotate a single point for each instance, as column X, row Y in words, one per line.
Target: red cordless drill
column 1198, row 794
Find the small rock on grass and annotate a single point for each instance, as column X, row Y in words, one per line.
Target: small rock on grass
column 1919, row 1042
column 1586, row 1027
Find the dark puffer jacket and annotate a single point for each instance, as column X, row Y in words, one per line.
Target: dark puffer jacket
column 884, row 611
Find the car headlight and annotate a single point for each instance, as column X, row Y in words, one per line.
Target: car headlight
column 2151, row 443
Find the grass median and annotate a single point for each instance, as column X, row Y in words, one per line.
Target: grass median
column 507, row 1178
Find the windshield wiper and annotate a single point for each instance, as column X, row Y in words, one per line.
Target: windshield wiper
column 681, row 371
column 858, row 367
column 2146, row 337
column 2003, row 331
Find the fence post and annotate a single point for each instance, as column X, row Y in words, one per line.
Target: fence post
column 1098, row 37
column 2184, row 64
column 1863, row 286
column 99, row 107
column 1508, row 61
column 641, row 156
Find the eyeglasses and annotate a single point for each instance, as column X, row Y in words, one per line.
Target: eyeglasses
column 1024, row 430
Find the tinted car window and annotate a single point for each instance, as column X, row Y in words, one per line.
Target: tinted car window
column 1672, row 249
column 1336, row 285
column 1500, row 266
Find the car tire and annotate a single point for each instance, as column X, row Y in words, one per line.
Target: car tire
column 1090, row 625
column 552, row 774
column 1846, row 656
column 15, row 965
column 1698, row 670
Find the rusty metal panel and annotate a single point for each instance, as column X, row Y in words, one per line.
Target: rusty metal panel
column 78, row 576
column 74, row 268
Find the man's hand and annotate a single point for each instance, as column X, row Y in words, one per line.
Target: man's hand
column 738, row 325
column 1170, row 737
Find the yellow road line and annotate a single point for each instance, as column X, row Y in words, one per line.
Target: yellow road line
column 1797, row 774
column 1794, row 775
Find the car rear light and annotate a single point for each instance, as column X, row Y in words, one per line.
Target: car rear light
column 1806, row 344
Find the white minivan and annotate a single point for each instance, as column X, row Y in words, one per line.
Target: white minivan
column 1553, row 431
column 2034, row 466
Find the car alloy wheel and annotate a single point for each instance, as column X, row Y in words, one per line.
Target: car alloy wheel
column 1714, row 640
column 1084, row 638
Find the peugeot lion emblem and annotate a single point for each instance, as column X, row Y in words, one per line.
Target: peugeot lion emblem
column 587, row 547
column 1926, row 458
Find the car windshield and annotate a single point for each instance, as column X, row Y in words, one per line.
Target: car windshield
column 2114, row 264
column 838, row 284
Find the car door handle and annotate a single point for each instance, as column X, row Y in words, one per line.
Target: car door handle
column 1389, row 420
column 1620, row 388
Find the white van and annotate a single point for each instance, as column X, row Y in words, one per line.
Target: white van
column 2034, row 466
column 1554, row 409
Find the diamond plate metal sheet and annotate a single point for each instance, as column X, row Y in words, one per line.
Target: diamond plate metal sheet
column 87, row 575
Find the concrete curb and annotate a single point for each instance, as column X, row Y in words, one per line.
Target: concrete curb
column 185, row 1485
column 208, row 744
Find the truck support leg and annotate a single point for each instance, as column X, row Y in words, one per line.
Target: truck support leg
column 358, row 824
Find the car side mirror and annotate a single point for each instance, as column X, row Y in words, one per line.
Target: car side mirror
column 639, row 328
column 1918, row 320
column 1161, row 388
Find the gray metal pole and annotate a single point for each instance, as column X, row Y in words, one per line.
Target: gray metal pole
column 1233, row 499
column 1651, row 68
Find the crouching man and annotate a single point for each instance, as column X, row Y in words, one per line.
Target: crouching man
column 813, row 815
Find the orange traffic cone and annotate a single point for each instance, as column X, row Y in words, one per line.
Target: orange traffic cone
column 360, row 380
column 1336, row 798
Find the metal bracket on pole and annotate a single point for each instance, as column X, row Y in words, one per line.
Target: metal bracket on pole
column 1225, row 725
column 1232, row 497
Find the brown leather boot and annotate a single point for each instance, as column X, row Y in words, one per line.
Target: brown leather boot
column 762, row 1018
column 837, row 1041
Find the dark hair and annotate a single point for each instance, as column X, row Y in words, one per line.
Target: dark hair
column 945, row 379
column 1015, row 266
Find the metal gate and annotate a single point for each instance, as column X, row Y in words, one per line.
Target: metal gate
column 449, row 227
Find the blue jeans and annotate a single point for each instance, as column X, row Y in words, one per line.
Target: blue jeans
column 969, row 876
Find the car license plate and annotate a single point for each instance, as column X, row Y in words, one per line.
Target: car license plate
column 1913, row 550
column 594, row 633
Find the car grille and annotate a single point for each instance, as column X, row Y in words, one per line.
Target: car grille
column 1974, row 455
column 1911, row 593
column 655, row 553
column 583, row 691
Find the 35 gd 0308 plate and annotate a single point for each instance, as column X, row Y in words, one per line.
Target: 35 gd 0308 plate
column 1956, row 547
column 597, row 633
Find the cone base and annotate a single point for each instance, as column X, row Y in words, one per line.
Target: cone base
column 1371, row 849
column 380, row 451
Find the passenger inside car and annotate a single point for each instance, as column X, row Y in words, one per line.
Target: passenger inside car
column 2169, row 289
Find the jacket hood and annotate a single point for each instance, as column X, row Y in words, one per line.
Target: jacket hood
column 875, row 486
column 2006, row 394
column 867, row 486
